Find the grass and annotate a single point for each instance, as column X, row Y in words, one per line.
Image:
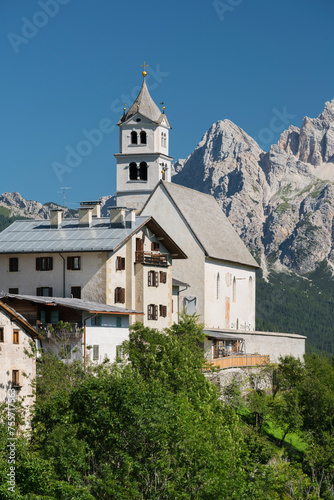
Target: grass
column 291, row 440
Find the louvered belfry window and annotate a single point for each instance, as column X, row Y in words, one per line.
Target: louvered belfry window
column 119, row 295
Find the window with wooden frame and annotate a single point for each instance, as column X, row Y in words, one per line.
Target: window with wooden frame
column 95, row 352
column 155, row 246
column 163, row 311
column 119, row 354
column 16, row 337
column 163, row 277
column 152, row 311
column 44, row 291
column 139, row 245
column 2, row 334
column 44, row 263
column 120, row 264
column 153, row 279
column 74, row 263
column 14, row 291
column 16, row 378
column 13, row 264
column 119, row 295
column 96, row 320
column 76, row 292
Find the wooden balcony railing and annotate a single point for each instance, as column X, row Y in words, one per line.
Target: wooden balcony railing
column 153, row 259
column 238, row 361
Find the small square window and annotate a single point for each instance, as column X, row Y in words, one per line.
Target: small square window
column 13, row 264
column 74, row 263
column 96, row 321
column 16, row 337
column 44, row 291
column 14, row 291
column 44, row 263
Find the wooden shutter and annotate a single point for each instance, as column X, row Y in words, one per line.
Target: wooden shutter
column 156, row 279
column 163, row 277
column 38, row 292
column 123, row 295
column 116, row 295
column 139, row 245
column 95, row 352
column 50, row 291
column 149, row 314
column 50, row 264
column 38, row 263
column 150, row 278
column 155, row 312
column 69, row 263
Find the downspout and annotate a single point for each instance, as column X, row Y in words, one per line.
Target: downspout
column 63, row 274
column 85, row 337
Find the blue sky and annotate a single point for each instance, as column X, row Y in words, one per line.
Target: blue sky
column 74, row 64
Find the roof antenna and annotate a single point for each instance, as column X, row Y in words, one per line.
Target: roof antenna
column 63, row 190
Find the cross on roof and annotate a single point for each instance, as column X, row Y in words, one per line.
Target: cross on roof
column 144, row 65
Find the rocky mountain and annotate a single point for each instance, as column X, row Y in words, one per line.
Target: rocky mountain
column 281, row 202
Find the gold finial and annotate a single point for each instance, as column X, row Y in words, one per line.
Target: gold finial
column 144, row 72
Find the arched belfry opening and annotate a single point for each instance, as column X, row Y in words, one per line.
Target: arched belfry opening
column 134, row 137
column 143, row 171
column 133, row 171
column 143, row 137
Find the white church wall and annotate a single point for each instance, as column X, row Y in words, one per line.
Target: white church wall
column 229, row 296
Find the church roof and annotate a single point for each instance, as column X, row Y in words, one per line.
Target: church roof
column 144, row 105
column 209, row 224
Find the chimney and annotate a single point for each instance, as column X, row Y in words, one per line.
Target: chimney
column 117, row 217
column 56, row 217
column 95, row 205
column 130, row 217
column 85, row 216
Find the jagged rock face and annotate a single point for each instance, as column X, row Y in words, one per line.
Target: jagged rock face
column 280, row 202
column 21, row 207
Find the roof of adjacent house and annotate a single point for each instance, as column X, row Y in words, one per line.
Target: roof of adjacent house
column 78, row 304
column 209, row 224
column 37, row 236
column 176, row 282
column 144, row 105
column 19, row 319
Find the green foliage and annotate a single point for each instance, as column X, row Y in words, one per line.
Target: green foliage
column 6, row 219
column 289, row 303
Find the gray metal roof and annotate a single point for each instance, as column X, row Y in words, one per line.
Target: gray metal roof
column 37, row 236
column 79, row 304
column 176, row 282
column 144, row 105
column 210, row 225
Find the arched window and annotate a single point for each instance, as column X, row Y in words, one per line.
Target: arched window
column 162, row 139
column 165, row 140
column 218, row 286
column 143, row 137
column 133, row 171
column 250, row 291
column 234, row 291
column 134, row 137
column 143, row 171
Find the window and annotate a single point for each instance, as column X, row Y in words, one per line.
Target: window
column 120, row 264
column 143, row 171
column 16, row 336
column 76, row 292
column 66, row 351
column 133, row 171
column 44, row 291
column 44, row 263
column 134, row 137
column 95, row 352
column 119, row 295
column 73, row 263
column 54, row 317
column 163, row 277
column 119, row 321
column 139, row 245
column 155, row 246
column 14, row 291
column 13, row 265
column 2, row 335
column 153, row 278
column 218, row 286
column 162, row 139
column 165, row 140
column 119, row 354
column 96, row 321
column 143, row 137
column 163, row 311
column 234, row 290
column 152, row 311
column 15, row 378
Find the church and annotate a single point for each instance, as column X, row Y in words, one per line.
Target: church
column 219, row 272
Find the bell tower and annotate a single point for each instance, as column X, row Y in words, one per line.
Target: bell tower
column 143, row 159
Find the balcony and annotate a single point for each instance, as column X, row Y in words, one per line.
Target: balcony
column 50, row 331
column 237, row 361
column 152, row 259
